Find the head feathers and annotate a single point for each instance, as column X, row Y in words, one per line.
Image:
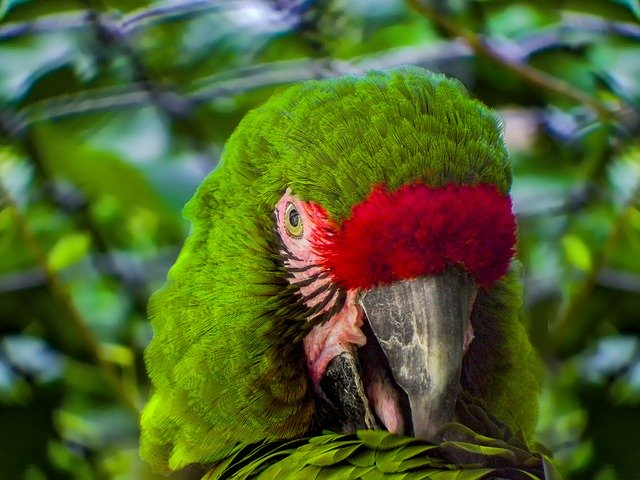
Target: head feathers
column 224, row 362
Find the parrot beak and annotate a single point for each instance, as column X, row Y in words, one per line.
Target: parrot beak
column 421, row 325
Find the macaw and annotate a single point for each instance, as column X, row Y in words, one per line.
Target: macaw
column 346, row 305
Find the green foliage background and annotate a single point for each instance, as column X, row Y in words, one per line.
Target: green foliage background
column 112, row 111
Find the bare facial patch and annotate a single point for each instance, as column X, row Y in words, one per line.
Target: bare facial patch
column 340, row 315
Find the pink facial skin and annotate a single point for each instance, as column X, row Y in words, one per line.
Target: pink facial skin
column 316, row 229
column 342, row 331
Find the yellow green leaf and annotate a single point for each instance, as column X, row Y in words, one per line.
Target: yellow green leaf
column 577, row 252
column 68, row 250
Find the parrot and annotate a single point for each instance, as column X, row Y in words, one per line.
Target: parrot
column 347, row 302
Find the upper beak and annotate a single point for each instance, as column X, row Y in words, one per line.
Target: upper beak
column 421, row 326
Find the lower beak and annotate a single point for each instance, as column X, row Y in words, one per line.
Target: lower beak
column 421, row 326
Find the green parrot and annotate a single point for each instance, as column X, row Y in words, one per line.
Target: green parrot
column 346, row 305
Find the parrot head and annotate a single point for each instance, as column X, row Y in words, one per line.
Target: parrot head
column 350, row 267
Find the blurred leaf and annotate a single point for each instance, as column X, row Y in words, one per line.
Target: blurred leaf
column 141, row 136
column 32, row 356
column 609, row 9
column 624, row 175
column 611, row 355
column 577, row 252
column 634, row 219
column 569, row 66
column 392, row 36
column 12, row 257
column 6, row 5
column 97, row 172
column 70, row 460
column 103, row 305
column 632, row 5
column 30, row 9
column 118, row 354
column 13, row 388
column 34, row 473
column 615, row 59
column 517, row 19
column 27, row 60
column 84, row 381
column 69, row 250
column 15, row 175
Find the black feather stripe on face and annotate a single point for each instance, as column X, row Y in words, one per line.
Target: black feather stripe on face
column 332, row 296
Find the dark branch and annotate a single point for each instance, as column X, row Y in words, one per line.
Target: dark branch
column 440, row 56
column 615, row 279
column 122, row 26
column 486, row 48
column 226, row 84
column 133, row 267
column 45, row 24
column 144, row 17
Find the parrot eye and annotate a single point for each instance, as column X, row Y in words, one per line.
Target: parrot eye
column 292, row 221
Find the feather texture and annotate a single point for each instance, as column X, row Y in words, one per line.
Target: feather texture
column 462, row 454
column 226, row 360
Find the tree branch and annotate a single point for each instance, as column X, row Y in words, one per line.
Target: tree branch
column 57, row 289
column 564, row 331
column 125, row 264
column 120, row 25
column 277, row 73
column 527, row 73
column 60, row 293
column 617, row 280
column 222, row 85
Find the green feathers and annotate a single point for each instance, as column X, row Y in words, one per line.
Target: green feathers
column 332, row 140
column 368, row 454
column 226, row 361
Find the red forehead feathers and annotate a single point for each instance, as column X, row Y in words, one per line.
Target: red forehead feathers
column 420, row 230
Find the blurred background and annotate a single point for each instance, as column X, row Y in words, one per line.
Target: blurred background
column 112, row 111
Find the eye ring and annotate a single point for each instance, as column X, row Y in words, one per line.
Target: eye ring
column 293, row 221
